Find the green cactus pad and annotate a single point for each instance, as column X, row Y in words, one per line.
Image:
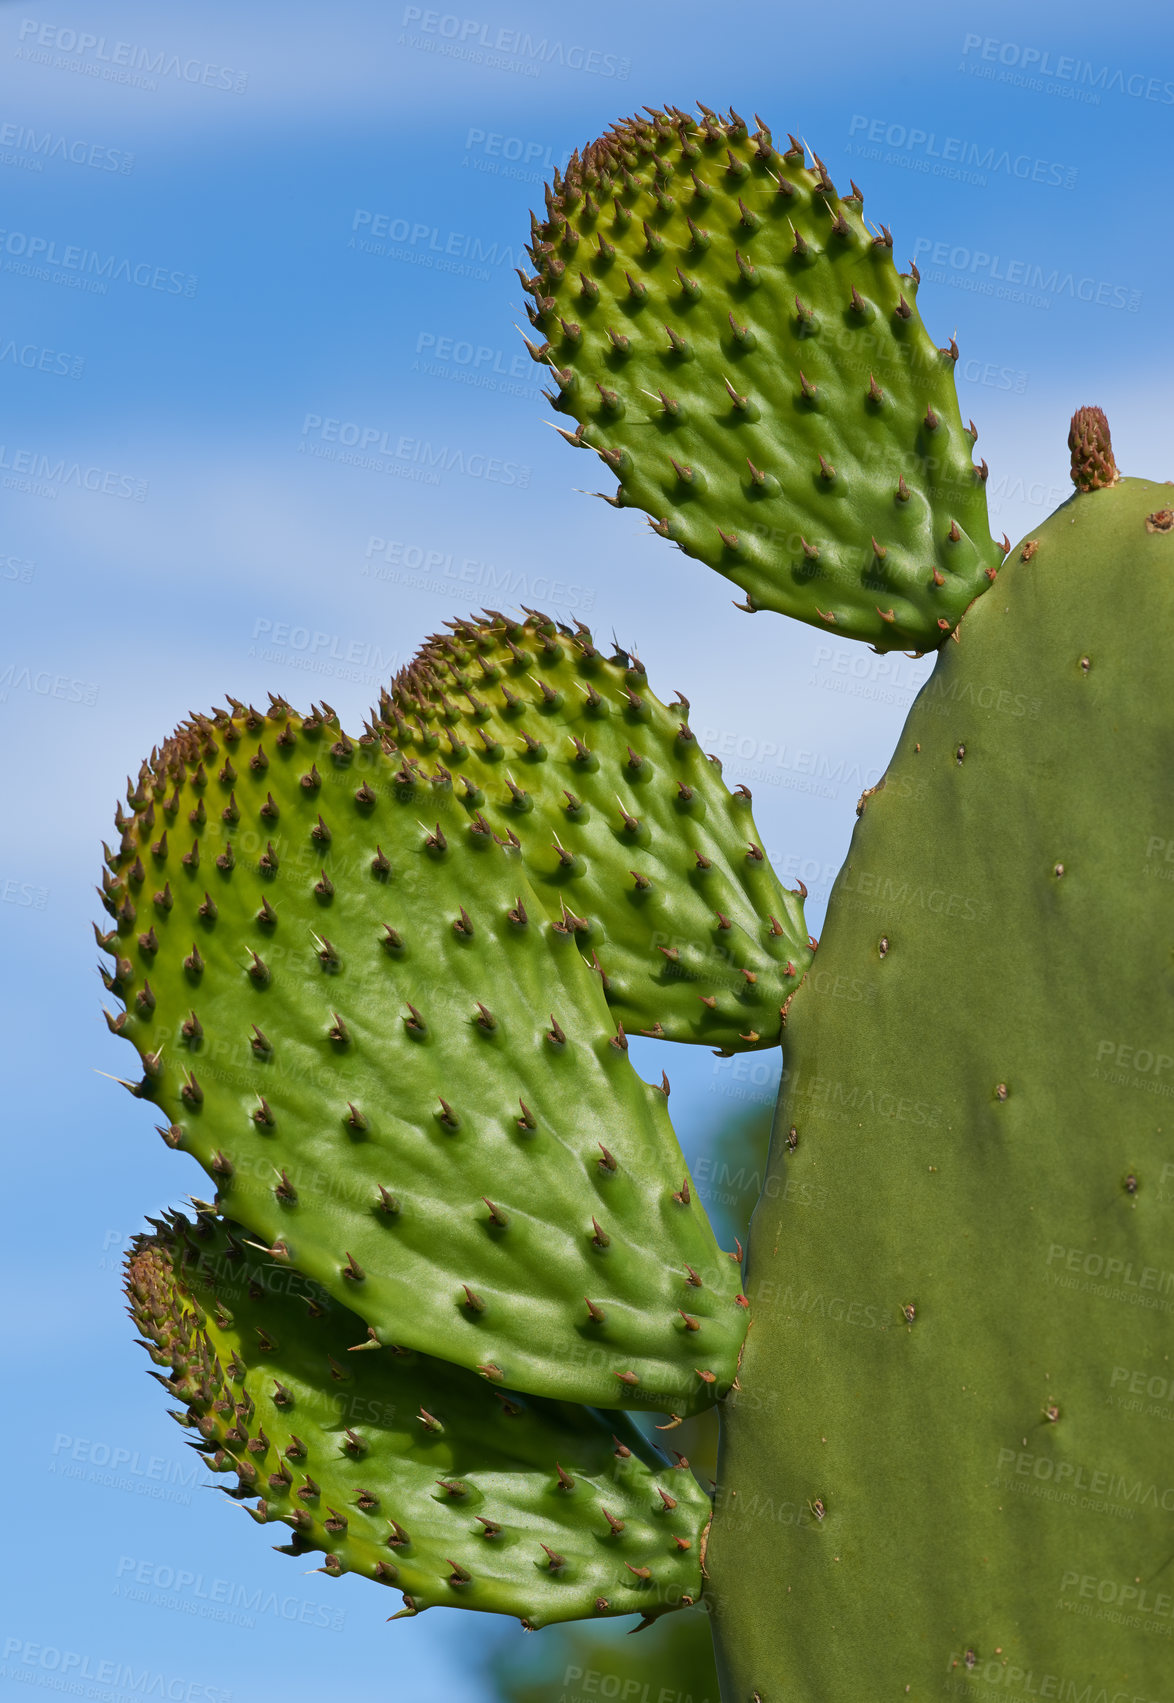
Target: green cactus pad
column 352, row 1011
column 402, row 1468
column 950, row 1471
column 627, row 832
column 739, row 348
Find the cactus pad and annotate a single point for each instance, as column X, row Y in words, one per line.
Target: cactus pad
column 351, row 1009
column 737, row 345
column 404, row 1469
column 628, row 834
column 965, row 1482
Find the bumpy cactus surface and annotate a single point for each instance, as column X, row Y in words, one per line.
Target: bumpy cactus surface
column 737, row 345
column 573, row 755
column 400, row 1467
column 948, row 1464
column 382, row 989
column 354, row 1010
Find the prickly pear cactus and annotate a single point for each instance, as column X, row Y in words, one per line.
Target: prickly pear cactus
column 737, row 346
column 955, row 1491
column 401, row 1468
column 381, row 989
column 625, row 828
column 352, row 1008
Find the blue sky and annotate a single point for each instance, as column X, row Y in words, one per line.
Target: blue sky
column 229, row 161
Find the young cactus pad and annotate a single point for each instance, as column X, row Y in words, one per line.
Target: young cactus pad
column 955, row 1450
column 629, row 836
column 737, row 345
column 409, row 1471
column 352, row 1010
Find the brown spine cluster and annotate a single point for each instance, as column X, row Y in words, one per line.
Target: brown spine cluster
column 1093, row 466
